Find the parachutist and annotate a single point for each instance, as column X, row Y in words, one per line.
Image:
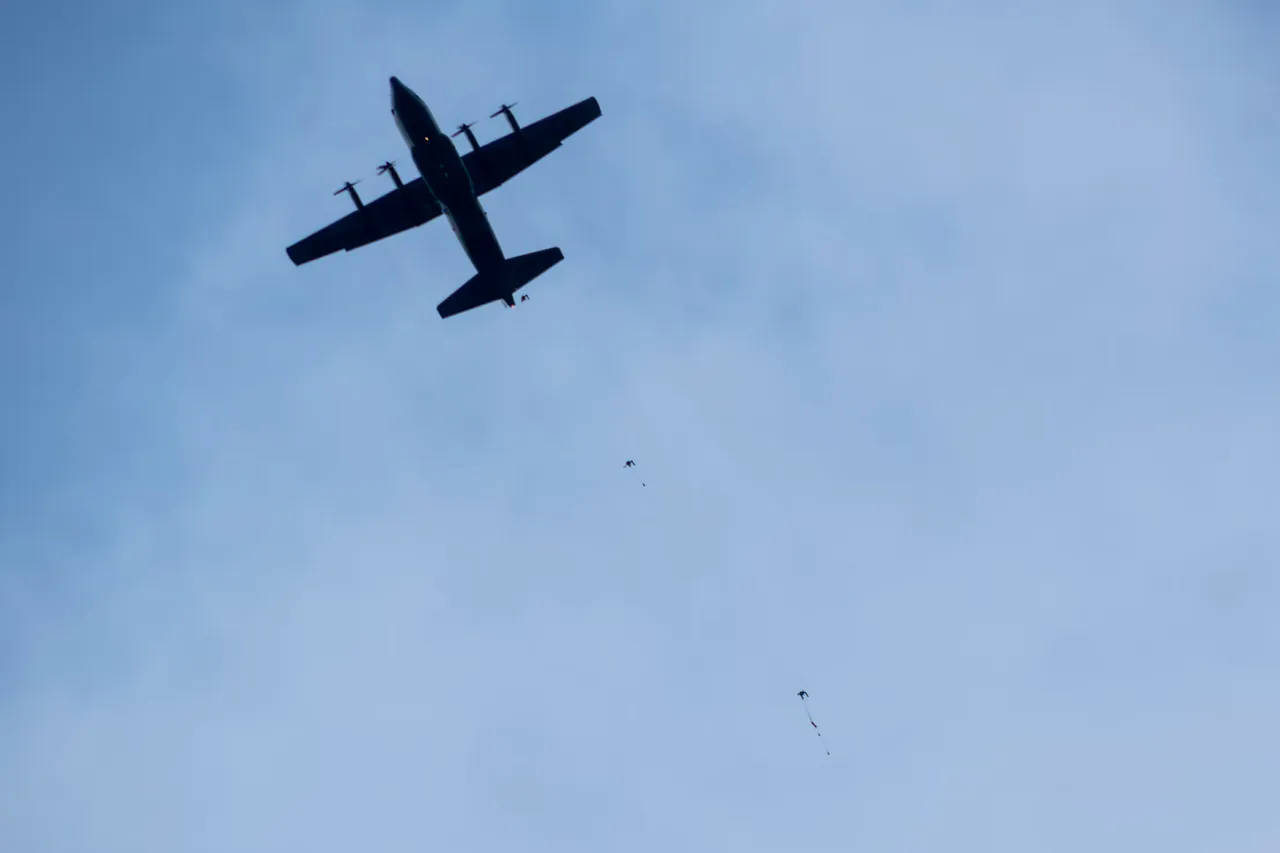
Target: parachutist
column 804, row 697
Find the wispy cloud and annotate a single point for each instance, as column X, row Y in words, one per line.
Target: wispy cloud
column 942, row 341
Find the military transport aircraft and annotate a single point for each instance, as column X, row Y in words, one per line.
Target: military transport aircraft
column 452, row 185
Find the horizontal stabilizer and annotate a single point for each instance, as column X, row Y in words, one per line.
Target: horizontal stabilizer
column 522, row 269
column 500, row 283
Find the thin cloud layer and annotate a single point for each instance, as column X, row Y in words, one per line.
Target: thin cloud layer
column 936, row 338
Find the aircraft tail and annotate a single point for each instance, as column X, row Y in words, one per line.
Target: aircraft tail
column 500, row 283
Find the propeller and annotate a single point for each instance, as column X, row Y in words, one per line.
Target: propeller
column 505, row 109
column 390, row 166
column 350, row 187
column 467, row 125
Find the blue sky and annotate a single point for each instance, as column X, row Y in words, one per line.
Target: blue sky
column 944, row 341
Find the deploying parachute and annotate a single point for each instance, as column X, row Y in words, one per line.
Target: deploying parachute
column 804, row 697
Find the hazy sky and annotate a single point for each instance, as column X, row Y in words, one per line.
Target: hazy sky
column 945, row 342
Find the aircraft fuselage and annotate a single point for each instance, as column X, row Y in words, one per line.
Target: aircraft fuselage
column 446, row 177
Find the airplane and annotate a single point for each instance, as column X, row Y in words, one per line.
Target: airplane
column 451, row 184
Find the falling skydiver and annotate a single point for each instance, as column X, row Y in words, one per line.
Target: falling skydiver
column 804, row 697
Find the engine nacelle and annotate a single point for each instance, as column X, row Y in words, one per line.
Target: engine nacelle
column 471, row 137
column 505, row 110
column 395, row 176
column 350, row 187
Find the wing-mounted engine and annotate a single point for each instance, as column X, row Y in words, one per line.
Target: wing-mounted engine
column 465, row 127
column 390, row 166
column 350, row 187
column 505, row 110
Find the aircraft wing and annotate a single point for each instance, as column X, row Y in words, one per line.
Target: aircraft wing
column 494, row 163
column 399, row 210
